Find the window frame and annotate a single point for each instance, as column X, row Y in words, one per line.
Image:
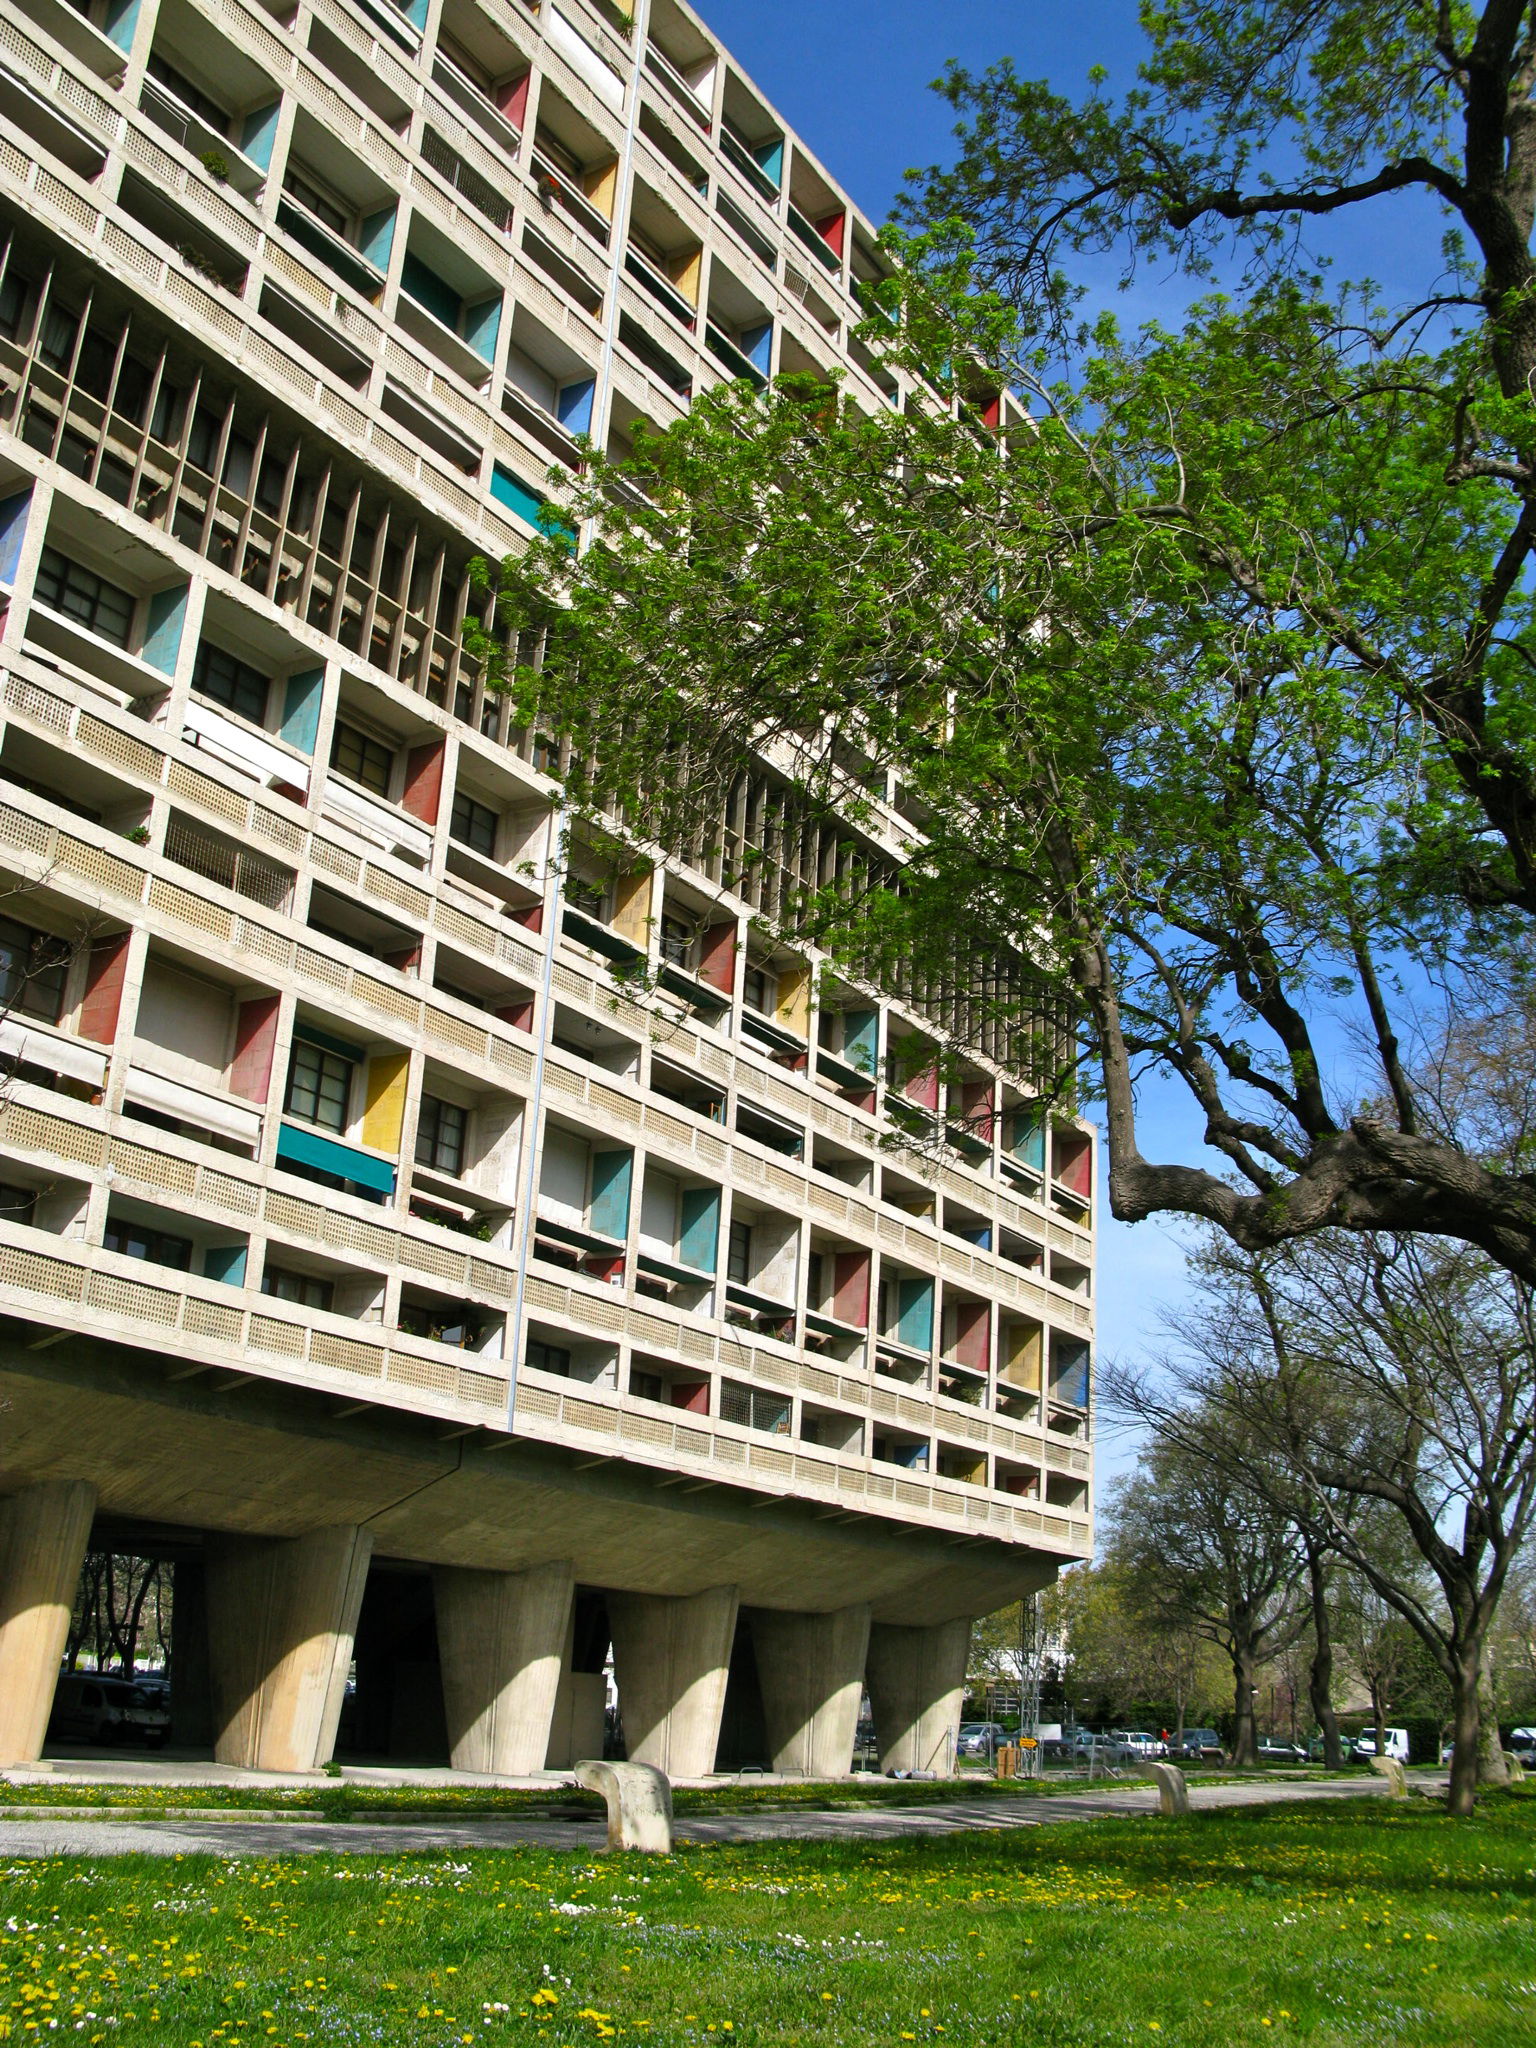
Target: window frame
column 325, row 1059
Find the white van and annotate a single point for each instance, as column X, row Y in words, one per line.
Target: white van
column 1394, row 1743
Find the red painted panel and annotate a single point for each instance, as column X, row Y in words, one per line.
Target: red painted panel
column 250, row 1071
column 850, row 1299
column 692, row 1396
column 423, row 790
column 518, row 1015
column 973, row 1330
column 717, row 957
column 832, row 231
column 106, row 972
column 1073, row 1163
column 512, row 100
column 978, row 1108
column 923, row 1087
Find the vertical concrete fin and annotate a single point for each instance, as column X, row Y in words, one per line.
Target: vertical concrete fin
column 501, row 1639
column 671, row 1658
column 43, row 1533
column 810, row 1669
column 916, row 1679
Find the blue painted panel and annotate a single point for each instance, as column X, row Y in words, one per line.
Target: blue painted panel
column 1071, row 1374
column 770, row 159
column 162, row 637
column 13, row 531
column 482, row 324
column 573, row 405
column 757, row 346
column 861, row 1040
column 700, row 1233
column 122, row 18
column 914, row 1314
column 226, row 1262
column 259, row 132
column 1029, row 1140
column 377, row 237
column 325, row 1155
column 301, row 710
column 608, row 1211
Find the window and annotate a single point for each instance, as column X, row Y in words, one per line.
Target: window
column 32, row 970
column 738, row 1258
column 677, row 941
column 544, row 1357
column 646, row 1386
column 231, row 682
column 80, row 594
column 589, row 897
column 319, row 1086
column 315, row 200
column 474, row 825
column 760, row 990
column 143, row 1241
column 304, row 1289
column 441, row 1129
column 191, row 96
column 361, row 759
column 442, row 1323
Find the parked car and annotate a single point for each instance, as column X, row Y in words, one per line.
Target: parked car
column 1113, row 1748
column 1143, row 1743
column 1393, row 1743
column 1203, row 1746
column 1281, row 1753
column 1522, row 1744
column 90, row 1707
column 980, row 1738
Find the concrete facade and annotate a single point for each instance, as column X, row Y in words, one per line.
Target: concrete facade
column 439, row 1239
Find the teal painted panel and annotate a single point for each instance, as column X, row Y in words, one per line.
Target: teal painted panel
column 325, row 1155
column 861, row 1040
column 700, row 1233
column 377, row 237
column 770, row 159
column 914, row 1314
column 162, row 638
column 608, row 1211
column 1029, row 1140
column 122, row 18
column 415, row 12
column 423, row 284
column 259, row 133
column 482, row 324
column 517, row 496
column 13, row 531
column 301, row 710
column 226, row 1262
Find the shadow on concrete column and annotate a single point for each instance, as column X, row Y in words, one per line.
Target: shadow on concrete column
column 191, row 1692
column 811, row 1671
column 502, row 1639
column 671, row 1658
column 282, row 1616
column 916, row 1679
column 43, row 1534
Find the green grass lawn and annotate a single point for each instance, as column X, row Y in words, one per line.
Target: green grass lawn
column 1356, row 1922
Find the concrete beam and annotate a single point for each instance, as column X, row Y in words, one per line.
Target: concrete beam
column 501, row 1638
column 671, row 1658
column 282, row 1616
column 916, row 1679
column 43, row 1533
column 810, row 1669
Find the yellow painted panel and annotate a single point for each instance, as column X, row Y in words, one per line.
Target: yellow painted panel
column 384, row 1108
column 632, row 906
column 600, row 187
column 686, row 276
column 794, row 1005
column 1022, row 1363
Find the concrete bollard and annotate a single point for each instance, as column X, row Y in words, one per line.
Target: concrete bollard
column 1515, row 1768
column 1389, row 1768
column 1172, row 1791
column 639, row 1802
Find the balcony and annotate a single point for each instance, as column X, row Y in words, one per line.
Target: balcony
column 661, row 289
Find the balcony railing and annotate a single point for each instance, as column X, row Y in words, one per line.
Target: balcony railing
column 661, row 289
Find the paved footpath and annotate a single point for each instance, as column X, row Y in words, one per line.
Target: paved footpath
column 71, row 1836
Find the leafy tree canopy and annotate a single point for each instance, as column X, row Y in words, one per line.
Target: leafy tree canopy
column 1206, row 694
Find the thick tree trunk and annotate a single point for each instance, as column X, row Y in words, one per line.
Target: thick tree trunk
column 1320, row 1671
column 1491, row 1767
column 1244, row 1739
column 1379, row 1713
column 1466, row 1720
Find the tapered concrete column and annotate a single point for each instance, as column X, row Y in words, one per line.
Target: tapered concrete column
column 501, row 1637
column 282, row 1615
column 916, row 1679
column 671, row 1658
column 43, row 1534
column 810, row 1670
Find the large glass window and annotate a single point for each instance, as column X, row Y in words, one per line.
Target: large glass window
column 32, row 970
column 306, row 1290
column 361, row 759
column 440, row 1132
column 319, row 1086
column 738, row 1258
column 474, row 825
column 231, row 682
column 143, row 1241
column 78, row 593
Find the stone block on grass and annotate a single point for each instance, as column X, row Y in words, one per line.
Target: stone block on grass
column 639, row 1802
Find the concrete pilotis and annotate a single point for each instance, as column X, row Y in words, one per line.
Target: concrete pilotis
column 501, row 1637
column 671, row 1658
column 43, row 1534
column 916, row 1679
column 810, row 1669
column 282, row 1615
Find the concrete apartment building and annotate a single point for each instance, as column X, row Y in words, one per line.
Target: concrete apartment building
column 444, row 1297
